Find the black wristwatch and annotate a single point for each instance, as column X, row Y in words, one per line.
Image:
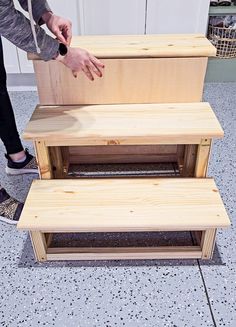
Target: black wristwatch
column 62, row 49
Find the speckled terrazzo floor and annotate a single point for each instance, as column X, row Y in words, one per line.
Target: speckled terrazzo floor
column 118, row 293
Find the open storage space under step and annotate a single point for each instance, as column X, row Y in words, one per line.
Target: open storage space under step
column 131, row 239
column 164, row 169
column 122, row 161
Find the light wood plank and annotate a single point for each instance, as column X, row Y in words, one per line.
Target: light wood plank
column 202, row 160
column 48, row 238
column 208, row 243
column 189, row 160
column 125, row 253
column 133, row 46
column 152, row 80
column 197, row 237
column 39, row 245
column 43, row 160
column 185, row 123
column 57, row 162
column 111, row 205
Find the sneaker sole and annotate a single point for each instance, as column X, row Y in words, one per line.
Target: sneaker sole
column 12, row 171
column 8, row 221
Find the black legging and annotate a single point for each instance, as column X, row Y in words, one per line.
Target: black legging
column 8, row 130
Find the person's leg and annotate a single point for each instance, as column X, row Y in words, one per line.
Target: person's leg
column 19, row 160
column 8, row 130
column 10, row 208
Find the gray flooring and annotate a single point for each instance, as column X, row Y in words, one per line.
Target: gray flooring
column 124, row 293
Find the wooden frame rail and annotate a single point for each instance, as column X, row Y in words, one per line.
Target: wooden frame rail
column 192, row 159
column 44, row 252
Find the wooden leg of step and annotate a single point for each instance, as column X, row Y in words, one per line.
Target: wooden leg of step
column 39, row 245
column 203, row 154
column 57, row 162
column 65, row 158
column 48, row 238
column 208, row 243
column 43, row 159
column 190, row 155
column 197, row 237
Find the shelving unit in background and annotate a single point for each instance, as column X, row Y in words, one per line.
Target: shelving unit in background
column 221, row 10
column 221, row 70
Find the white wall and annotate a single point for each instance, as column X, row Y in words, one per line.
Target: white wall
column 112, row 16
column 177, row 16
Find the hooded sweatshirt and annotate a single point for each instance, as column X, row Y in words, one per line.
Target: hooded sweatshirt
column 15, row 27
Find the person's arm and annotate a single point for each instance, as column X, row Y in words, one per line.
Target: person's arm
column 39, row 7
column 15, row 27
column 42, row 13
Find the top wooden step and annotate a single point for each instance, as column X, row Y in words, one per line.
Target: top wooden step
column 145, row 46
column 111, row 205
column 128, row 124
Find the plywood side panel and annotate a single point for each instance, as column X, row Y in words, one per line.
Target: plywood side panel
column 148, row 80
column 123, row 154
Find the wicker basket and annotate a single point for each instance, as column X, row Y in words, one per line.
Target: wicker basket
column 224, row 39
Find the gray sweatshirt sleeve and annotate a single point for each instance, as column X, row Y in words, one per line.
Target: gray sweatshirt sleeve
column 39, row 8
column 15, row 27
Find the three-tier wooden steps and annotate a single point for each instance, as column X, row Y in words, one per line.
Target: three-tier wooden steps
column 146, row 109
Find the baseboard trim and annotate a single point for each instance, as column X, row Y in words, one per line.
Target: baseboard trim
column 21, row 82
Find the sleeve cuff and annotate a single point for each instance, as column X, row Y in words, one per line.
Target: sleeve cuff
column 50, row 49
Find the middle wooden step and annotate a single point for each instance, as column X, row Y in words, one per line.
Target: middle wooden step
column 179, row 133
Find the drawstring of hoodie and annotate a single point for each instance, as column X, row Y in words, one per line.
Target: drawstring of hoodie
column 33, row 26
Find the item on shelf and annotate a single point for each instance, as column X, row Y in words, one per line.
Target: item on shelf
column 214, row 3
column 221, row 2
column 217, row 21
column 223, row 21
column 224, row 2
column 230, row 22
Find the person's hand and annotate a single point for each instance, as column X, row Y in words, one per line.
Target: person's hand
column 60, row 27
column 81, row 60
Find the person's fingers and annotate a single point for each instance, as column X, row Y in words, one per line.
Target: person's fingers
column 88, row 73
column 60, row 36
column 75, row 74
column 96, row 61
column 67, row 33
column 95, row 69
column 69, row 37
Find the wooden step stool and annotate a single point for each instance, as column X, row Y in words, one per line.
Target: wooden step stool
column 184, row 132
column 123, row 205
column 127, row 204
column 122, row 118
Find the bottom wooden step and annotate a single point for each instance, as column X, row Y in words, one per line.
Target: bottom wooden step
column 123, row 205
